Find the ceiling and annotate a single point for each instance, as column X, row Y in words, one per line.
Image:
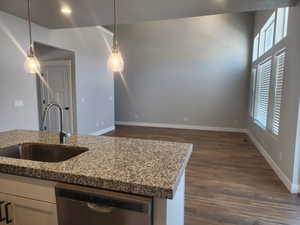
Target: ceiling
column 99, row 12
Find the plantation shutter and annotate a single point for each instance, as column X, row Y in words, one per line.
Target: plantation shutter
column 252, row 93
column 262, row 92
column 278, row 88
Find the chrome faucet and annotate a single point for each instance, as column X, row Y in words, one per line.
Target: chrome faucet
column 62, row 134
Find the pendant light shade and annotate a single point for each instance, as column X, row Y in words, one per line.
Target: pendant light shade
column 115, row 61
column 31, row 65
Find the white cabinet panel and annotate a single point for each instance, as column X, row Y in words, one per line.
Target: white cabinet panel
column 31, row 212
column 28, row 201
column 5, row 215
column 2, row 209
column 27, row 187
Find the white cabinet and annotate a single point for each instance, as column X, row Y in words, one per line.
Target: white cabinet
column 27, row 201
column 24, row 211
column 21, row 211
column 2, row 209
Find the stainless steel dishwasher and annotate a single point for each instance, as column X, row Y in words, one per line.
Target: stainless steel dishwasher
column 77, row 205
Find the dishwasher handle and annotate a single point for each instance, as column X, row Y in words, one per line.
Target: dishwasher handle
column 99, row 208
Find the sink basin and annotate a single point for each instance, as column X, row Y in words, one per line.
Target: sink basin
column 42, row 152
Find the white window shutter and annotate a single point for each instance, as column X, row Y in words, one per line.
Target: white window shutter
column 278, row 89
column 252, row 92
column 262, row 92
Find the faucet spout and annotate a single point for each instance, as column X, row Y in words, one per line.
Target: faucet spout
column 62, row 134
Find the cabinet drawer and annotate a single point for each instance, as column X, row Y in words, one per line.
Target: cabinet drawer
column 28, row 187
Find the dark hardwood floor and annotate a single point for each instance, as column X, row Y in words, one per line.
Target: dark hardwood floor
column 228, row 182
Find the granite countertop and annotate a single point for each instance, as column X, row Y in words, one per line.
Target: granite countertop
column 145, row 167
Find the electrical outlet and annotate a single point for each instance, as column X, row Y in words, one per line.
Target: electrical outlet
column 185, row 119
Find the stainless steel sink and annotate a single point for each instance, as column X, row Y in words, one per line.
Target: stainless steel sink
column 42, row 152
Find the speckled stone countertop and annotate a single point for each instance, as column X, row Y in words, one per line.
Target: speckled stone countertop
column 145, row 167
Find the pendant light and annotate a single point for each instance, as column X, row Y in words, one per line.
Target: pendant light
column 31, row 65
column 115, row 61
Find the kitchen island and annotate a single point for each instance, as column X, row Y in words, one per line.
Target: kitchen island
column 134, row 166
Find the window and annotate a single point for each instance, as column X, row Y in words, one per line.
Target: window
column 281, row 24
column 255, row 48
column 267, row 35
column 277, row 92
column 252, row 92
column 268, row 68
column 262, row 92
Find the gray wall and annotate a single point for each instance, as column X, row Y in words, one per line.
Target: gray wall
column 48, row 53
column 94, row 84
column 187, row 71
column 285, row 143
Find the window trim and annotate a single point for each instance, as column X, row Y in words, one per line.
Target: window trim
column 271, row 54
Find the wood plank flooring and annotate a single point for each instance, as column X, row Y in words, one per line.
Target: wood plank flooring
column 228, row 182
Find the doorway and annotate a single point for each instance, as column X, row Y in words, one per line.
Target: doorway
column 56, row 85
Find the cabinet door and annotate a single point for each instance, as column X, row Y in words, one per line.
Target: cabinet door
column 24, row 211
column 2, row 208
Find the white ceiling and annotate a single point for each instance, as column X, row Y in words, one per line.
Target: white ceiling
column 99, row 12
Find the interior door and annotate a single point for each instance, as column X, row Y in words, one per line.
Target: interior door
column 57, row 88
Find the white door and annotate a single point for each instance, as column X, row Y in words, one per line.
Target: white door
column 57, row 89
column 23, row 211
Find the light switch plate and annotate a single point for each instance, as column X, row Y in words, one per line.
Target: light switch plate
column 19, row 103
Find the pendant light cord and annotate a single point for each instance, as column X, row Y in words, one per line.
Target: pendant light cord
column 115, row 27
column 29, row 28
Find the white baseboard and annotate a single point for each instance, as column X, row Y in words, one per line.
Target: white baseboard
column 293, row 188
column 181, row 126
column 103, row 131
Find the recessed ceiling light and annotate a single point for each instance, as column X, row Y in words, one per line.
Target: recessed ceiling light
column 66, row 10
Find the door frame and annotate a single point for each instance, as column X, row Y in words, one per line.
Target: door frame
column 296, row 166
column 72, row 89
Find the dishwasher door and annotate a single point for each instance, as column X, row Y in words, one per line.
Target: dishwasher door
column 78, row 205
